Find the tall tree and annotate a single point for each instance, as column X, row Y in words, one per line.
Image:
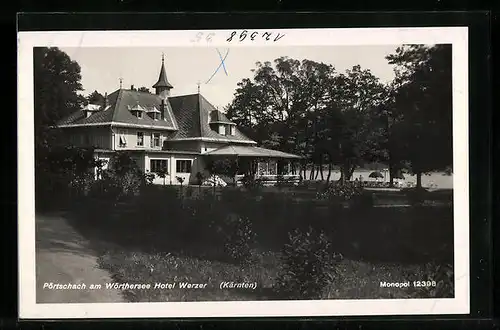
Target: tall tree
column 57, row 83
column 95, row 98
column 354, row 98
column 424, row 95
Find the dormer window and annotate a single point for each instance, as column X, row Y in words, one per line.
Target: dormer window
column 137, row 110
column 221, row 124
column 90, row 109
column 154, row 113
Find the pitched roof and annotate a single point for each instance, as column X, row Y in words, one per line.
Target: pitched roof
column 162, row 79
column 120, row 103
column 217, row 116
column 193, row 117
column 188, row 116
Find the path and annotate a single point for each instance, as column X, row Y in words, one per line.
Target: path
column 63, row 256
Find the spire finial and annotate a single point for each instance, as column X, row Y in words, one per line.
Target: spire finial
column 198, row 83
column 162, row 58
column 121, row 82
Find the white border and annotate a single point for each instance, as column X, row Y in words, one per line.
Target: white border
column 29, row 309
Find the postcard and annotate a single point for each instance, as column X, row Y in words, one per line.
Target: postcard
column 243, row 173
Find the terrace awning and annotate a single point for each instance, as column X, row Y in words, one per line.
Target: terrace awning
column 250, row 151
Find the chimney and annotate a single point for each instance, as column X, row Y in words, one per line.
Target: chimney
column 162, row 109
column 132, row 87
column 105, row 100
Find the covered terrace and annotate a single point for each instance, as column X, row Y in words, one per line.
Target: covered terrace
column 261, row 164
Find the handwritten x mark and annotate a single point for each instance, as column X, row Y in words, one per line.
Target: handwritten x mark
column 220, row 65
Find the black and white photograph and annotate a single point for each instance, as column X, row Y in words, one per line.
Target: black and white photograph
column 312, row 172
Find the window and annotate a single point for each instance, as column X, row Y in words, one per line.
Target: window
column 232, row 129
column 140, row 139
column 156, row 165
column 183, row 166
column 155, row 140
column 227, row 130
column 139, row 114
column 122, row 140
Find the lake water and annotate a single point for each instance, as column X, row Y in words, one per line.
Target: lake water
column 438, row 179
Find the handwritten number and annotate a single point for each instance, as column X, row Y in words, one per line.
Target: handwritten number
column 209, row 37
column 278, row 37
column 199, row 35
column 243, row 35
column 231, row 36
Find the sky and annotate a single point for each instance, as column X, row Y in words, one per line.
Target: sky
column 102, row 68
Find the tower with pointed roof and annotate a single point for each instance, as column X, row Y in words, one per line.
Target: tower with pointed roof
column 162, row 86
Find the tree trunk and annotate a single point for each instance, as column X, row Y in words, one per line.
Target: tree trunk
column 329, row 172
column 346, row 171
column 419, row 180
column 317, row 172
column 311, row 174
column 351, row 171
column 321, row 170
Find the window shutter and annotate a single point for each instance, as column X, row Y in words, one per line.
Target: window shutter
column 151, row 141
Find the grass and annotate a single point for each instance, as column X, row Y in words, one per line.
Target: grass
column 150, row 239
column 354, row 279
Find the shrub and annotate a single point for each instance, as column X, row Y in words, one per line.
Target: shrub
column 416, row 196
column 341, row 192
column 149, row 177
column 251, row 183
column 307, row 267
column 238, row 238
column 441, row 275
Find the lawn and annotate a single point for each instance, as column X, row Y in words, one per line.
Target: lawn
column 160, row 237
column 353, row 279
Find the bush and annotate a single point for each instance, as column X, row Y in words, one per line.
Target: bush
column 307, row 267
column 441, row 275
column 237, row 237
column 341, row 192
column 416, row 196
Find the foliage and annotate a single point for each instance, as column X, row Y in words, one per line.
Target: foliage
column 123, row 178
column 95, row 98
column 351, row 118
column 238, row 237
column 199, row 178
column 424, row 98
column 441, row 277
column 144, row 90
column 341, row 191
column 149, row 177
column 307, row 267
column 56, row 86
column 162, row 172
column 224, row 166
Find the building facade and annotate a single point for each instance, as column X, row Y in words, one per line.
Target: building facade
column 159, row 130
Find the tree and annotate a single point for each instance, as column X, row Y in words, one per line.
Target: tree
column 424, row 95
column 162, row 173
column 354, row 98
column 57, row 83
column 306, row 107
column 56, row 86
column 95, row 98
column 143, row 89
